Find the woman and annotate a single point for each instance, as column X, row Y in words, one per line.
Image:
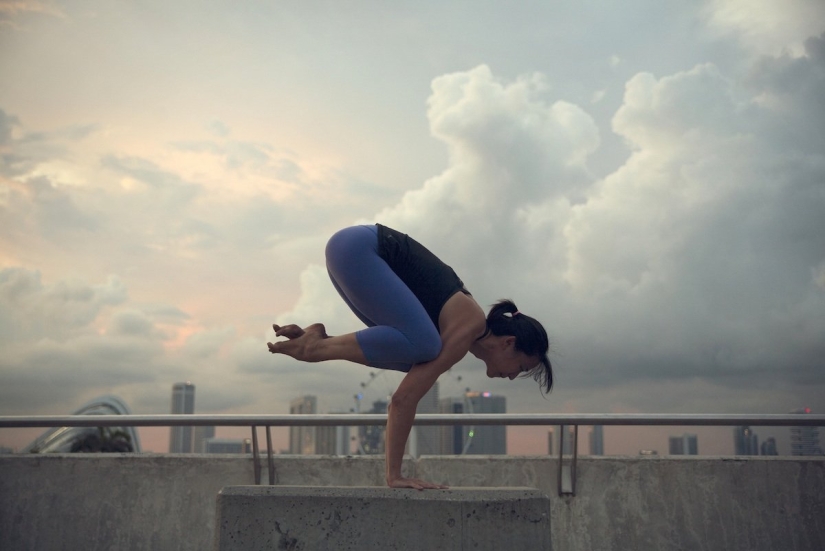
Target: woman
column 420, row 320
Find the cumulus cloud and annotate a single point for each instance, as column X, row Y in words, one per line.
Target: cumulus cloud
column 766, row 26
column 694, row 259
column 511, row 155
column 704, row 241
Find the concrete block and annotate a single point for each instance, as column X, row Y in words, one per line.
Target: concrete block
column 349, row 518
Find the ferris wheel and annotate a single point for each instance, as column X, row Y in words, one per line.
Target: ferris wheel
column 380, row 386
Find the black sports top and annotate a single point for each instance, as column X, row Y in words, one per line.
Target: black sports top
column 430, row 280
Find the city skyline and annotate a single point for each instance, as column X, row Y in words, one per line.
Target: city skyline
column 797, row 440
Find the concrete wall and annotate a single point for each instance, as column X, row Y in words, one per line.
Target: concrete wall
column 160, row 502
column 335, row 518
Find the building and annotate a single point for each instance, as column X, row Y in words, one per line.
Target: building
column 371, row 437
column 464, row 439
column 745, row 441
column 201, row 435
column 486, row 439
column 330, row 440
column 183, row 403
column 302, row 439
column 453, row 437
column 687, row 444
column 597, row 440
column 66, row 439
column 805, row 440
column 768, row 447
column 426, row 440
column 227, row 445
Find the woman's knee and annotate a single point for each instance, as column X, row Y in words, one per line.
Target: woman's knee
column 427, row 347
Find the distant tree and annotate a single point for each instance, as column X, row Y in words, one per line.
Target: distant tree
column 105, row 440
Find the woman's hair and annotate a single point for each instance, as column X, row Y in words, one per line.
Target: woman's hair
column 531, row 338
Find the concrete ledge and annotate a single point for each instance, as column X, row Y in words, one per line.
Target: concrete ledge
column 341, row 518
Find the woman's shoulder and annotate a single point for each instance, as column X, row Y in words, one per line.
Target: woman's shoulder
column 462, row 317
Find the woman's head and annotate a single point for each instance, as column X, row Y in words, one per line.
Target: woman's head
column 505, row 319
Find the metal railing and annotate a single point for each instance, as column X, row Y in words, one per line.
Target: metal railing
column 566, row 472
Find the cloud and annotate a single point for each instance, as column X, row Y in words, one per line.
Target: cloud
column 219, row 128
column 7, row 124
column 37, row 205
column 67, row 341
column 766, row 26
column 12, row 11
column 511, row 155
column 32, row 310
column 692, row 260
column 704, row 241
column 57, row 343
column 149, row 173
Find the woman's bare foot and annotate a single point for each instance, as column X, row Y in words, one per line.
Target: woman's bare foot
column 301, row 343
column 290, row 331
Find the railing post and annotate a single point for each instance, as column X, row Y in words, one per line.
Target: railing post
column 256, row 465
column 270, row 461
column 567, row 473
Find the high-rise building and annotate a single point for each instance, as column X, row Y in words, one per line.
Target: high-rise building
column 183, row 403
column 202, row 434
column 453, row 437
column 745, row 441
column 687, row 444
column 332, row 440
column 371, row 437
column 805, row 440
column 597, row 440
column 768, row 447
column 467, row 439
column 302, row 439
column 486, row 439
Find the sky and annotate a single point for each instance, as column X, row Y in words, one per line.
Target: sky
column 647, row 179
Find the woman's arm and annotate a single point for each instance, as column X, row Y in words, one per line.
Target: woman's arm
column 461, row 321
column 401, row 414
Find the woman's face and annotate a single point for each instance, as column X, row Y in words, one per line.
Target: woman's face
column 506, row 362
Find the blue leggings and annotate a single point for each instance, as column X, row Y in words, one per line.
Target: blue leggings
column 399, row 332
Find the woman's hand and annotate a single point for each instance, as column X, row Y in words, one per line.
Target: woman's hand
column 415, row 483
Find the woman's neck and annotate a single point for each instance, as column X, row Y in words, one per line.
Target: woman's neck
column 481, row 346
